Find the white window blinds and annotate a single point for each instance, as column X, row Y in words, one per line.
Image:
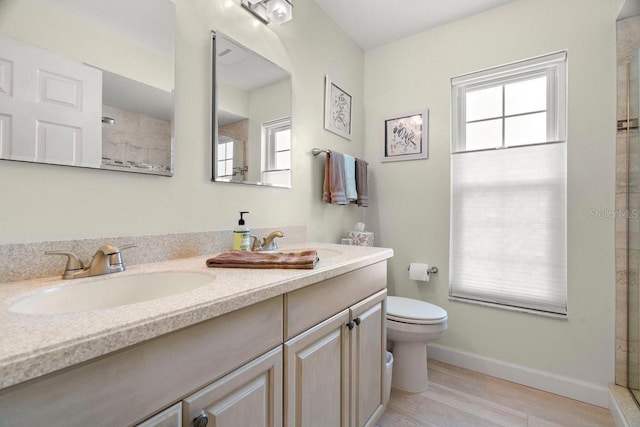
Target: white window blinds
column 508, row 227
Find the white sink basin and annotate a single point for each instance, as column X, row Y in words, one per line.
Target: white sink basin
column 110, row 291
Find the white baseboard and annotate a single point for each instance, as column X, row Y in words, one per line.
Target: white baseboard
column 563, row 386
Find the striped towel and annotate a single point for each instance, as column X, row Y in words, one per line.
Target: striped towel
column 248, row 259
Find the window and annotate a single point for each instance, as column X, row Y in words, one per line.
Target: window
column 508, row 186
column 277, row 152
column 225, row 157
column 277, row 135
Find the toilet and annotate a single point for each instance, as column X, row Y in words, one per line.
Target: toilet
column 411, row 324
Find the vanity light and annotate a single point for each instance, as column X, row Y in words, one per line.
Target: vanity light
column 278, row 11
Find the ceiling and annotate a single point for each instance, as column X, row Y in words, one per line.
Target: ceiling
column 371, row 23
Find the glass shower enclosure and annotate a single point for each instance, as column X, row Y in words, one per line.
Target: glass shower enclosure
column 630, row 125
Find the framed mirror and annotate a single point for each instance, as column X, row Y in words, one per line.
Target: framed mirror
column 251, row 120
column 88, row 83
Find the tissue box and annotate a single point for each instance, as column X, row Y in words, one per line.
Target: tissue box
column 361, row 238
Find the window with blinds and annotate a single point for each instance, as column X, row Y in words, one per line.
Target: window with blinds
column 508, row 186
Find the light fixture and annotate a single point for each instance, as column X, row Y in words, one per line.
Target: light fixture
column 278, row 11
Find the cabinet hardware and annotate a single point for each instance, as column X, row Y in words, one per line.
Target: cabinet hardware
column 351, row 325
column 201, row 420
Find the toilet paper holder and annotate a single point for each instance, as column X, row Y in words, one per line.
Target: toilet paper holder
column 432, row 270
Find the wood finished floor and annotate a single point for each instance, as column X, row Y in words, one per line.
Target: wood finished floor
column 459, row 397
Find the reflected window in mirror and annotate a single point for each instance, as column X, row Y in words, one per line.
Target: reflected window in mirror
column 277, row 152
column 252, row 108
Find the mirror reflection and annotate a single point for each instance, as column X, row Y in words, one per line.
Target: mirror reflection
column 88, row 83
column 252, row 117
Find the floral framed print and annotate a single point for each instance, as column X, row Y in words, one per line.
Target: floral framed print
column 337, row 109
column 406, row 137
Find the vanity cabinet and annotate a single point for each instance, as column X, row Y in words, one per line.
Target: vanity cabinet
column 311, row 357
column 334, row 370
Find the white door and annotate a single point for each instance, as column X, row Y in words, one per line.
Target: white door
column 50, row 107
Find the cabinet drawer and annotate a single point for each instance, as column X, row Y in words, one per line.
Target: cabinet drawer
column 309, row 306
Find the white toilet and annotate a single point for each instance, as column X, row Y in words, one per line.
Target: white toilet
column 411, row 324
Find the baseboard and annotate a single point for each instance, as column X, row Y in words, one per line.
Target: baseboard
column 563, row 386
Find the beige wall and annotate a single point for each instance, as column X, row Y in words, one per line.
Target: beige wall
column 411, row 207
column 42, row 202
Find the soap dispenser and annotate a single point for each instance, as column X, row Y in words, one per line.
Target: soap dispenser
column 241, row 235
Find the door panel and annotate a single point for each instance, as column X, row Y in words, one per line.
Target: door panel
column 54, row 106
column 368, row 349
column 249, row 396
column 316, row 362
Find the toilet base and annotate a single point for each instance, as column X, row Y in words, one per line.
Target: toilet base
column 410, row 367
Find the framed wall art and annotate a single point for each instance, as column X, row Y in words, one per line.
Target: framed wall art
column 337, row 109
column 406, row 137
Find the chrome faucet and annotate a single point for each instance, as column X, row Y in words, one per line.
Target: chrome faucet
column 107, row 260
column 268, row 243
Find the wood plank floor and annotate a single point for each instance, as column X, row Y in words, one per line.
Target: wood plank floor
column 459, row 397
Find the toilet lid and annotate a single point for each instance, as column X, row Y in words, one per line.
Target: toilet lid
column 409, row 310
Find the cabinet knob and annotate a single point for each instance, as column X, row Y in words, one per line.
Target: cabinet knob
column 351, row 325
column 201, row 420
column 357, row 321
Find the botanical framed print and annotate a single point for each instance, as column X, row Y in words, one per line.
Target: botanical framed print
column 337, row 109
column 406, row 137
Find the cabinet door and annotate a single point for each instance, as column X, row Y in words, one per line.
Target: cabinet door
column 368, row 349
column 316, row 375
column 250, row 396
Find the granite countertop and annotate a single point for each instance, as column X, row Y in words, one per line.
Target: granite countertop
column 32, row 345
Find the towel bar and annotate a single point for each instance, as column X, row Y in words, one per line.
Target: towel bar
column 317, row 151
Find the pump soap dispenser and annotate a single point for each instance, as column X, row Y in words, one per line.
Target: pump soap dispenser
column 242, row 235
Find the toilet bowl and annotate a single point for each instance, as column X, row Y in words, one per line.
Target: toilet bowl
column 411, row 324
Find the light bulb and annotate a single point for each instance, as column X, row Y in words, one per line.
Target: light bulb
column 279, row 11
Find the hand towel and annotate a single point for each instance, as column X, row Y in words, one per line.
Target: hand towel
column 350, row 177
column 333, row 189
column 362, row 186
column 248, row 259
column 326, row 185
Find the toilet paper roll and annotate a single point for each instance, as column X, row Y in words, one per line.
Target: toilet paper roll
column 420, row 272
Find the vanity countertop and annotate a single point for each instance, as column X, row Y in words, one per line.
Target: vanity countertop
column 32, row 345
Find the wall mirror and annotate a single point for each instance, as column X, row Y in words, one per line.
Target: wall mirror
column 88, row 83
column 251, row 129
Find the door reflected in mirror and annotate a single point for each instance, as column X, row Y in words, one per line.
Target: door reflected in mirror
column 88, row 83
column 251, row 116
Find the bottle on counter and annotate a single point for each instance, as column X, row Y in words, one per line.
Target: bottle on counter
column 242, row 235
